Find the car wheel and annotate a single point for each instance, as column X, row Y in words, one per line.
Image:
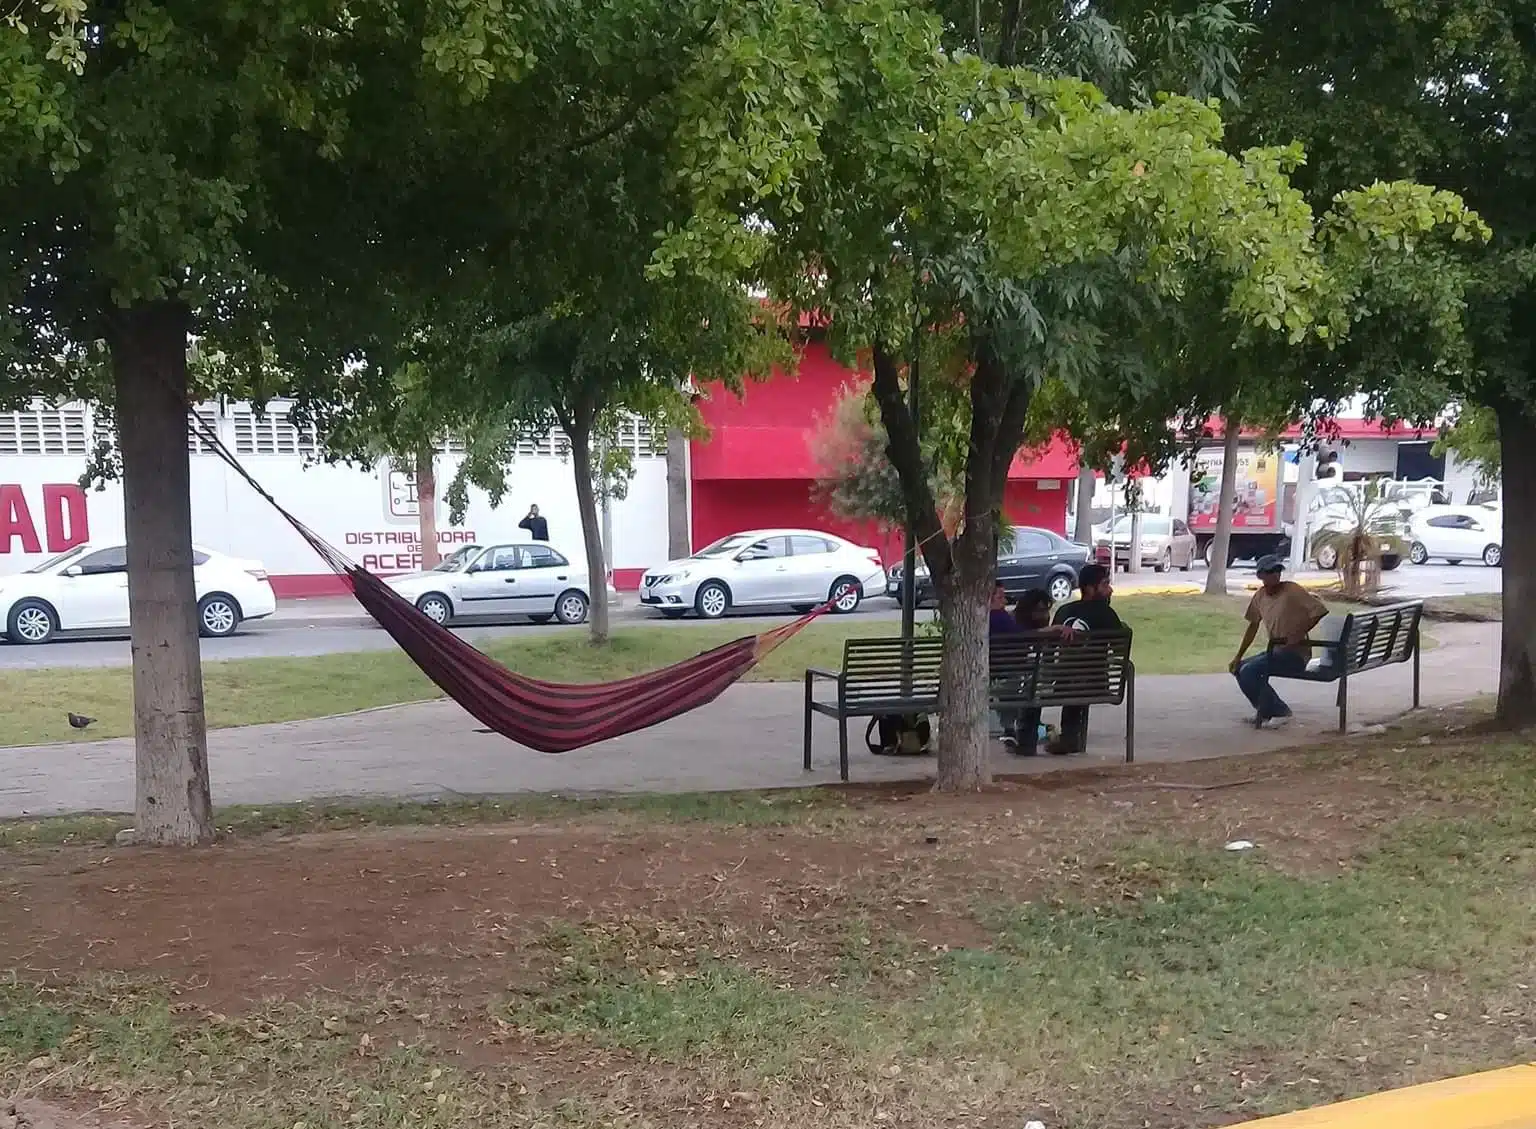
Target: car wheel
column 1418, row 554
column 541, row 620
column 218, row 616
column 673, row 613
column 571, row 608
column 1493, row 556
column 712, row 600
column 1327, row 557
column 846, row 595
column 1061, row 588
column 1390, row 561
column 1165, row 562
column 32, row 621
column 436, row 607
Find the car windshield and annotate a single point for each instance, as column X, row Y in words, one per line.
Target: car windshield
column 58, row 560
column 1151, row 526
column 725, row 546
column 458, row 560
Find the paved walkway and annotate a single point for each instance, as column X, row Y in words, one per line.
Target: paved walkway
column 749, row 738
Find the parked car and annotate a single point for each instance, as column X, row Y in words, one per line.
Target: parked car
column 517, row 579
column 797, row 568
column 1457, row 533
column 1166, row 543
column 1029, row 558
column 86, row 590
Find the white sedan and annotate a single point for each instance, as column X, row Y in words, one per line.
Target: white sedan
column 797, row 568
column 1457, row 533
column 525, row 578
column 86, row 589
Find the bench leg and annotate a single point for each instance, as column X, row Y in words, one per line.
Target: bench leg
column 842, row 747
column 1130, row 718
column 1344, row 703
column 807, row 723
column 1416, row 670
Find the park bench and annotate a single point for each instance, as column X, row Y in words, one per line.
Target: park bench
column 1361, row 641
column 1026, row 671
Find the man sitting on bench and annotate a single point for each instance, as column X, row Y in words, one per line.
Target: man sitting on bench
column 1091, row 612
column 1289, row 613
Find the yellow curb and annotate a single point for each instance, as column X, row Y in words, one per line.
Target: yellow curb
column 1314, row 582
column 1160, row 590
column 1497, row 1099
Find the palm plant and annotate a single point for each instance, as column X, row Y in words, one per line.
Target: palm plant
column 1354, row 542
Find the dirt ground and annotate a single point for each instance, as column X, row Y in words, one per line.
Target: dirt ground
column 249, row 921
column 447, row 923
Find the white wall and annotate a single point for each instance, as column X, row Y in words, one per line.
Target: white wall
column 365, row 513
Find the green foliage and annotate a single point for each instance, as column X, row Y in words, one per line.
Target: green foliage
column 1473, row 438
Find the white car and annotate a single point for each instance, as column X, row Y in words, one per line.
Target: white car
column 1457, row 533
column 522, row 578
column 797, row 568
column 86, row 589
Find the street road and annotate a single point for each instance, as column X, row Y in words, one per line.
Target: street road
column 321, row 627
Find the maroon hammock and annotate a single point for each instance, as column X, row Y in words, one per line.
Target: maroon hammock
column 552, row 717
column 555, row 717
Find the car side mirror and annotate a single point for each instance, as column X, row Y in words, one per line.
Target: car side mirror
column 74, row 570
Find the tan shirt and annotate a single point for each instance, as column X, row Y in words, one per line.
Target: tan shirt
column 1288, row 614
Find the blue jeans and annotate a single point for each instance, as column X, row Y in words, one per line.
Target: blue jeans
column 1253, row 679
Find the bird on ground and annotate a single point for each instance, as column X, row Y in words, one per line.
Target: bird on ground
column 76, row 721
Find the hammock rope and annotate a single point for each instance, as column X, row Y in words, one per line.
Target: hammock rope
column 551, row 717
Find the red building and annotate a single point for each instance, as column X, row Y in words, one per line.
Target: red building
column 756, row 469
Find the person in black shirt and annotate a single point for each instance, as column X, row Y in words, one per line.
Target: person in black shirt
column 1090, row 612
column 536, row 526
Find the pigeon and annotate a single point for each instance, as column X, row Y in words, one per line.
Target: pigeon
column 78, row 722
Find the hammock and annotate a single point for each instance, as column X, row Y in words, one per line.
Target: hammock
column 551, row 717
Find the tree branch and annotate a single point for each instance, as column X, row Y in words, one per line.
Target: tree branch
column 904, row 448
column 1010, row 429
column 1008, row 37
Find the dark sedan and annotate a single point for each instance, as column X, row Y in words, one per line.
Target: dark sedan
column 1030, row 558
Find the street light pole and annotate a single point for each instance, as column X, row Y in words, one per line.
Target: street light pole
column 909, row 549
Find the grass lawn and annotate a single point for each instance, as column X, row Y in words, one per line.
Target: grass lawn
column 1081, row 951
column 1174, row 635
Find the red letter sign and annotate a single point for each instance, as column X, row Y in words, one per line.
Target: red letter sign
column 16, row 520
column 65, row 520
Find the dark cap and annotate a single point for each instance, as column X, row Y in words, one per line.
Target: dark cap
column 1270, row 564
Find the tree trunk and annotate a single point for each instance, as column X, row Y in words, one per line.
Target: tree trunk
column 426, row 506
column 1517, row 649
column 591, row 531
column 149, row 367
column 679, row 535
column 1221, row 545
column 965, row 763
column 1082, row 530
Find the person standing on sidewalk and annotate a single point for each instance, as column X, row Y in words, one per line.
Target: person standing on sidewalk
column 536, row 526
column 1288, row 612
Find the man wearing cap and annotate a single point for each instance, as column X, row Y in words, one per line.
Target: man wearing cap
column 1289, row 613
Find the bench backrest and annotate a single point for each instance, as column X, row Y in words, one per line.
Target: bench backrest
column 1380, row 636
column 1090, row 669
column 890, row 670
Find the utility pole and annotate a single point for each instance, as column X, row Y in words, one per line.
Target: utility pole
column 909, row 549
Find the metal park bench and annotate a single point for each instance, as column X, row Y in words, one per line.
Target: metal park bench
column 1026, row 671
column 1363, row 641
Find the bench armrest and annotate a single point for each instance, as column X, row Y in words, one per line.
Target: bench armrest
column 814, row 672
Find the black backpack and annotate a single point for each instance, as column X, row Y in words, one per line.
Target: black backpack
column 900, row 735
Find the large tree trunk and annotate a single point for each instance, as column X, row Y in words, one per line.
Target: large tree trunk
column 149, row 366
column 1082, row 529
column 591, row 531
column 1221, row 545
column 964, row 743
column 679, row 536
column 1517, row 650
column 426, row 506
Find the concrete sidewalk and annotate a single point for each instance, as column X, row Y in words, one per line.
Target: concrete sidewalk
column 749, row 738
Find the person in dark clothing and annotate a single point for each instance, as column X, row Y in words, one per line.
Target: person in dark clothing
column 536, row 526
column 1090, row 612
column 1032, row 613
column 1000, row 622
